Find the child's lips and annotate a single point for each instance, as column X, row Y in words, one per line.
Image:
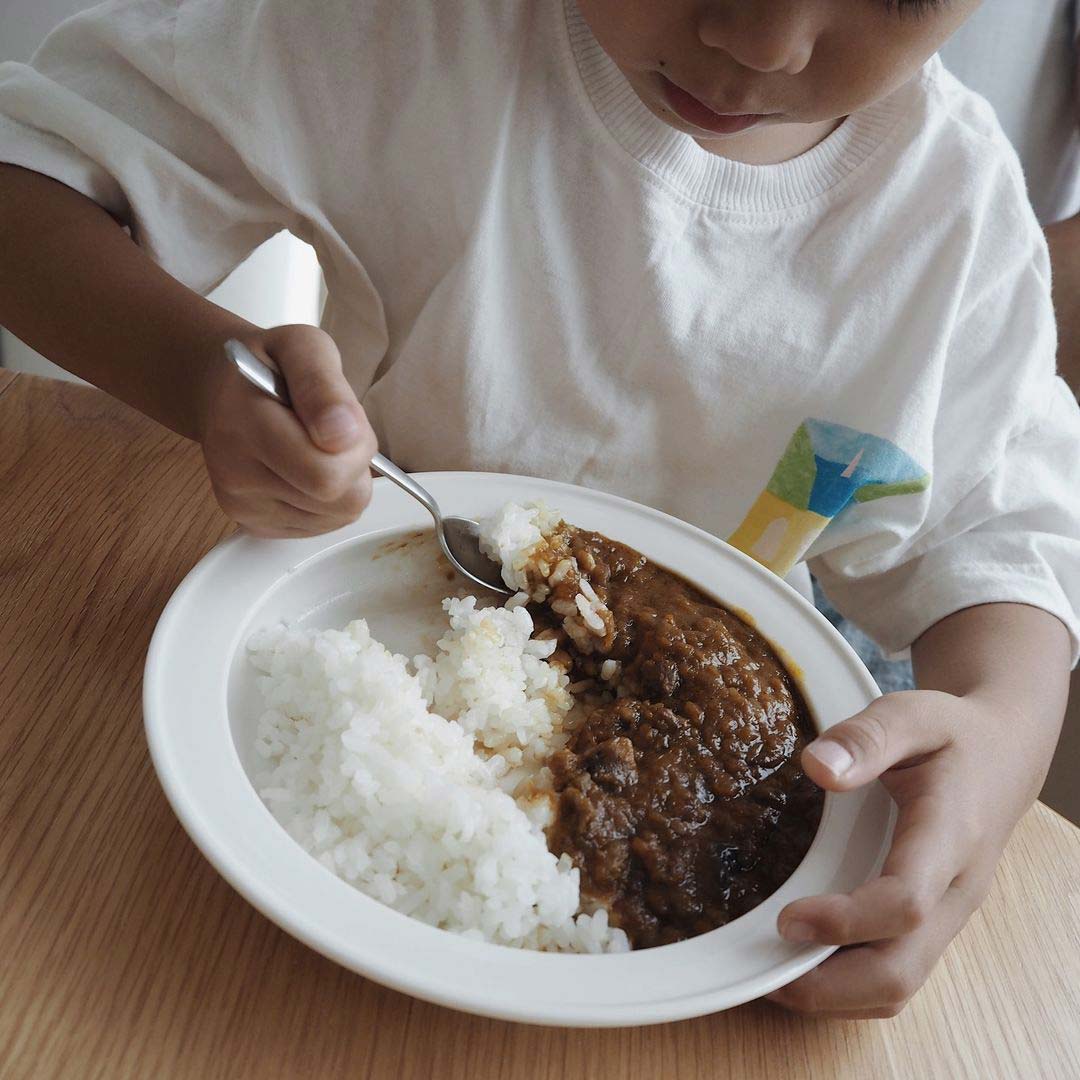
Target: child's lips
column 701, row 116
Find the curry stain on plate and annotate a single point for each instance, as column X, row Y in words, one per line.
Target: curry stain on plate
column 401, row 543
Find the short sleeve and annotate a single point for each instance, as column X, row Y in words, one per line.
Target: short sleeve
column 1013, row 538
column 1000, row 521
column 101, row 109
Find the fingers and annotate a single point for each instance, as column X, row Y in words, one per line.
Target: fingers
column 878, row 980
column 274, row 437
column 929, row 846
column 274, row 519
column 321, row 396
column 342, row 499
column 270, row 474
column 932, row 841
column 938, row 869
column 895, row 729
column 268, row 517
column 325, row 480
column 872, row 980
column 256, row 494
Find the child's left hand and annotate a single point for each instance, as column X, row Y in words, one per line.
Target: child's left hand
column 962, row 773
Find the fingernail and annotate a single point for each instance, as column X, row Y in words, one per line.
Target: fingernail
column 832, row 755
column 335, row 423
column 798, row 931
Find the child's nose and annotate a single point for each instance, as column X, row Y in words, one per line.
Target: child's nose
column 770, row 36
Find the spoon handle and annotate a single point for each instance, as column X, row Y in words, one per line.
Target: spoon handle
column 272, row 383
column 387, row 468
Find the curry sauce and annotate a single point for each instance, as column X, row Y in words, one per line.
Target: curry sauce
column 679, row 795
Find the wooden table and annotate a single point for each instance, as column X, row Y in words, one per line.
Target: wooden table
column 123, row 954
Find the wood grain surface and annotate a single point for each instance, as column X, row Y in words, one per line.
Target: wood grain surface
column 123, row 954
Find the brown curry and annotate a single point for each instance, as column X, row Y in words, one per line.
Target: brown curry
column 679, row 795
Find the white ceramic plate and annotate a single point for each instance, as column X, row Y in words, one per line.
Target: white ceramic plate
column 201, row 705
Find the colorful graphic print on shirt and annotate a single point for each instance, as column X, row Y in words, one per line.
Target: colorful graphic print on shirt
column 824, row 468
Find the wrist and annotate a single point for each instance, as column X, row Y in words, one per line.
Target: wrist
column 211, row 369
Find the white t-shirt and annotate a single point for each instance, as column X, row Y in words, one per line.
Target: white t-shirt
column 528, row 272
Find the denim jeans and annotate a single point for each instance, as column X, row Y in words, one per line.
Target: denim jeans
column 890, row 675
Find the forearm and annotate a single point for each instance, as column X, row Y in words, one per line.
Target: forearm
column 75, row 287
column 1063, row 239
column 1011, row 657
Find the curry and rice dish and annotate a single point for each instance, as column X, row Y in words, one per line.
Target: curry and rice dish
column 609, row 761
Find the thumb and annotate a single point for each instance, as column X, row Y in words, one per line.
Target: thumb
column 891, row 730
column 321, row 396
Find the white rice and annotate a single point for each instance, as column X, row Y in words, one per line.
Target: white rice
column 519, row 537
column 513, row 535
column 493, row 680
column 424, row 790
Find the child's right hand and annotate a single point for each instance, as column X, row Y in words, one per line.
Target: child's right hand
column 281, row 472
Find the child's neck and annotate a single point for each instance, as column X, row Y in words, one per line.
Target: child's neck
column 770, row 143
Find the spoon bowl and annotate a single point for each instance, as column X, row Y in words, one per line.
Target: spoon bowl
column 460, row 540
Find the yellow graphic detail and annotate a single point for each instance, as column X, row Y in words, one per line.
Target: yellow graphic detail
column 776, row 533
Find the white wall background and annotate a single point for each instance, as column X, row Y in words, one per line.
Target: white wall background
column 279, row 283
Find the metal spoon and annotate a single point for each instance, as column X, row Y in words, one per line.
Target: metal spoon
column 458, row 537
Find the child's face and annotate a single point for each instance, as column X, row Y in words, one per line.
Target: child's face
column 720, row 67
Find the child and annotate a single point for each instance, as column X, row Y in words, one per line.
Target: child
column 696, row 254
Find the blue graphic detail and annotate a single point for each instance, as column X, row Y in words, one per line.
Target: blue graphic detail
column 850, row 464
